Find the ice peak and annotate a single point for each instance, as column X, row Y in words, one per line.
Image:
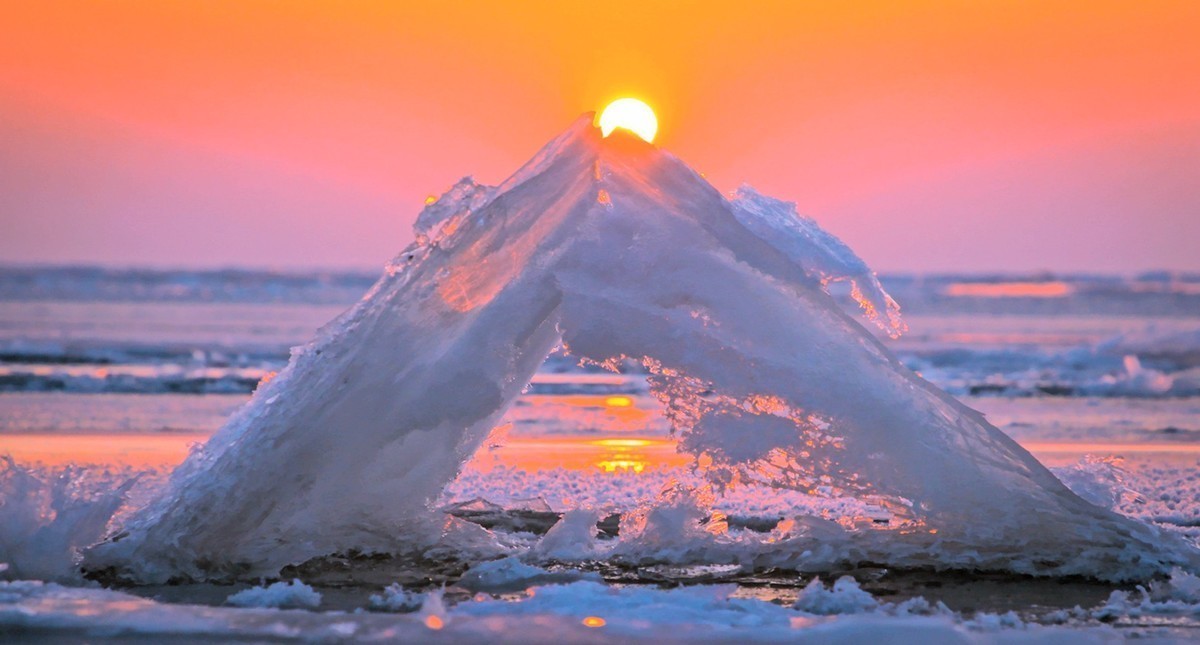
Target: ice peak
column 623, row 171
column 580, row 138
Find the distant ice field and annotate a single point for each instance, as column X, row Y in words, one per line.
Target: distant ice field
column 105, row 331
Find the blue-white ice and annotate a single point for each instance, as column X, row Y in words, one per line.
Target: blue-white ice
column 359, row 441
column 618, row 252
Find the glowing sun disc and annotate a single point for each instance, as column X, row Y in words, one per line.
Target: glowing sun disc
column 629, row 114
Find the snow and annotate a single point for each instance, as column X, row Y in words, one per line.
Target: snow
column 282, row 595
column 617, row 251
column 441, row 217
column 1136, row 380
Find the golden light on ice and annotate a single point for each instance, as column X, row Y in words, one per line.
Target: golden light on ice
column 632, row 115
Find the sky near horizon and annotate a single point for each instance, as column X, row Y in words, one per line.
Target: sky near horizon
column 930, row 136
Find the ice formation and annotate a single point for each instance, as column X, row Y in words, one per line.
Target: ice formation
column 510, row 574
column 617, row 251
column 49, row 516
column 281, row 595
column 844, row 597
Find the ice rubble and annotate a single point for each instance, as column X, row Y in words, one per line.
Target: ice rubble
column 396, row 598
column 582, row 612
column 1179, row 595
column 615, row 250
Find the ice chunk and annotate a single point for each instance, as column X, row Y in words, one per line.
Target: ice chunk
column 280, row 595
column 443, row 216
column 1134, row 381
column 844, row 597
column 989, row 622
column 1099, row 480
column 347, row 447
column 396, row 598
column 681, row 521
column 572, row 539
column 47, row 517
column 1180, row 586
column 510, row 574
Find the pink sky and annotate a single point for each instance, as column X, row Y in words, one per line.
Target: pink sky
column 1011, row 136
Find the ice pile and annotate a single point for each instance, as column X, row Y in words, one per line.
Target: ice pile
column 615, row 251
column 1179, row 595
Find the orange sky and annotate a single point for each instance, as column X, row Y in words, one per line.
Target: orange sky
column 929, row 135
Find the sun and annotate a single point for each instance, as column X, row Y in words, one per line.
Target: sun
column 632, row 115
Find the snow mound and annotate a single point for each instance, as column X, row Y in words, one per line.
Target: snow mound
column 616, row 251
column 281, row 595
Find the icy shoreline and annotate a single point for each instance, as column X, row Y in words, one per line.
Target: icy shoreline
column 589, row 612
